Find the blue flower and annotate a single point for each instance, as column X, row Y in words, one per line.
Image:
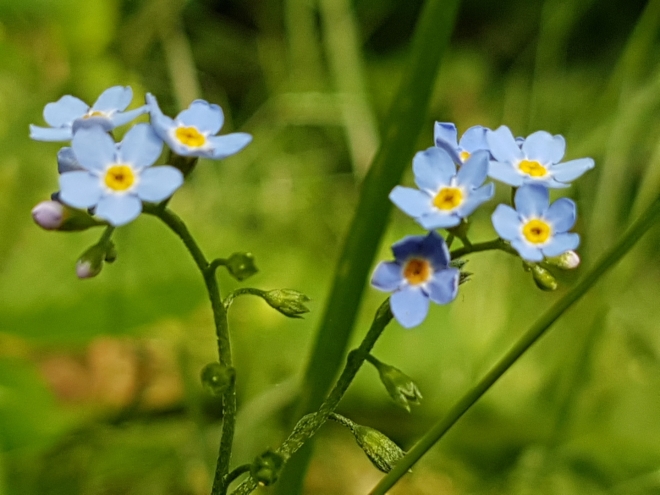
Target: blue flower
column 444, row 196
column 536, row 228
column 68, row 114
column 536, row 159
column 474, row 139
column 116, row 178
column 193, row 131
column 420, row 273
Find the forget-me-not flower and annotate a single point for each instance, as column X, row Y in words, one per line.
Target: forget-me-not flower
column 420, row 273
column 117, row 177
column 536, row 159
column 446, row 137
column 193, row 131
column 444, row 196
column 536, row 228
column 68, row 114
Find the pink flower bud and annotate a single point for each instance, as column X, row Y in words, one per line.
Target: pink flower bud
column 49, row 215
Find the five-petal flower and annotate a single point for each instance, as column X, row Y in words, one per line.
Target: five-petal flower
column 446, row 137
column 536, row 228
column 536, row 159
column 444, row 196
column 193, row 131
column 117, row 177
column 420, row 273
column 68, row 114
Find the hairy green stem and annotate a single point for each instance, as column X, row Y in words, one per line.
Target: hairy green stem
column 241, row 292
column 607, row 261
column 310, row 423
column 169, row 218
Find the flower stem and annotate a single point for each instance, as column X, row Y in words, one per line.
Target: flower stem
column 483, row 246
column 169, row 218
column 310, row 423
column 607, row 261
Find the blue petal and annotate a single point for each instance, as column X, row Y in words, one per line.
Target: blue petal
column 162, row 124
column 412, row 202
column 94, row 149
column 433, row 169
column 66, row 160
column 571, row 170
column 532, row 200
column 547, row 181
column 502, row 145
column 561, row 214
column 206, row 117
column 121, row 118
column 158, row 183
column 439, row 219
column 474, row 139
column 50, row 134
column 409, row 306
column 476, row 198
column 445, row 132
column 544, row 148
column 387, row 276
column 224, row 146
column 80, row 189
column 140, row 147
column 527, row 251
column 97, row 121
column 504, row 172
column 561, row 243
column 115, row 98
column 64, row 111
column 435, row 250
column 474, row 171
column 407, row 247
column 118, row 209
column 506, row 222
column 444, row 286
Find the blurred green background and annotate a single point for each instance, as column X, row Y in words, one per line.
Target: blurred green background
column 99, row 388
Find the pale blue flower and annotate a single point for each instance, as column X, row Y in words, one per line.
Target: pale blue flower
column 193, row 131
column 419, row 274
column 534, row 160
column 68, row 114
column 446, row 137
column 444, row 196
column 117, row 177
column 536, row 228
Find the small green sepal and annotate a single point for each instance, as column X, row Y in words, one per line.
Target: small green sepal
column 566, row 261
column 241, row 266
column 400, row 387
column 267, row 467
column 289, row 302
column 217, row 378
column 543, row 279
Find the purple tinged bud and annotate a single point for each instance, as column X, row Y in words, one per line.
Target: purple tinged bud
column 49, row 215
column 91, row 262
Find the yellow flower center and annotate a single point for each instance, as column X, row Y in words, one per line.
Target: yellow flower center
column 417, row 271
column 119, row 177
column 448, row 198
column 536, row 231
column 94, row 113
column 464, row 155
column 532, row 168
column 190, row 136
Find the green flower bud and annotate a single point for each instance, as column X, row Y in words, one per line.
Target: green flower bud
column 400, row 386
column 91, row 262
column 289, row 302
column 267, row 467
column 111, row 252
column 241, row 266
column 566, row 261
column 216, row 378
column 543, row 279
column 381, row 451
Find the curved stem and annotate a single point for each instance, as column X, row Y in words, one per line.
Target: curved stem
column 483, row 246
column 607, row 261
column 241, row 292
column 177, row 226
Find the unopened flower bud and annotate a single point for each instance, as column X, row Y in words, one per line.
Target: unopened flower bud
column 110, row 252
column 267, row 467
column 543, row 279
column 216, row 378
column 381, row 451
column 91, row 262
column 241, row 266
column 566, row 261
column 400, row 387
column 289, row 302
column 53, row 215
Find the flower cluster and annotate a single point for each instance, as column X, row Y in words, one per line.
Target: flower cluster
column 109, row 181
column 450, row 179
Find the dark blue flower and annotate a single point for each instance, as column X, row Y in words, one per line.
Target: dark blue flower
column 419, row 273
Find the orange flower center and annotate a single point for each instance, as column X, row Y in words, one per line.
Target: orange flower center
column 417, row 271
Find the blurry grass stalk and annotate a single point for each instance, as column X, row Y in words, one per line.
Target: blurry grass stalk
column 402, row 127
column 648, row 219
